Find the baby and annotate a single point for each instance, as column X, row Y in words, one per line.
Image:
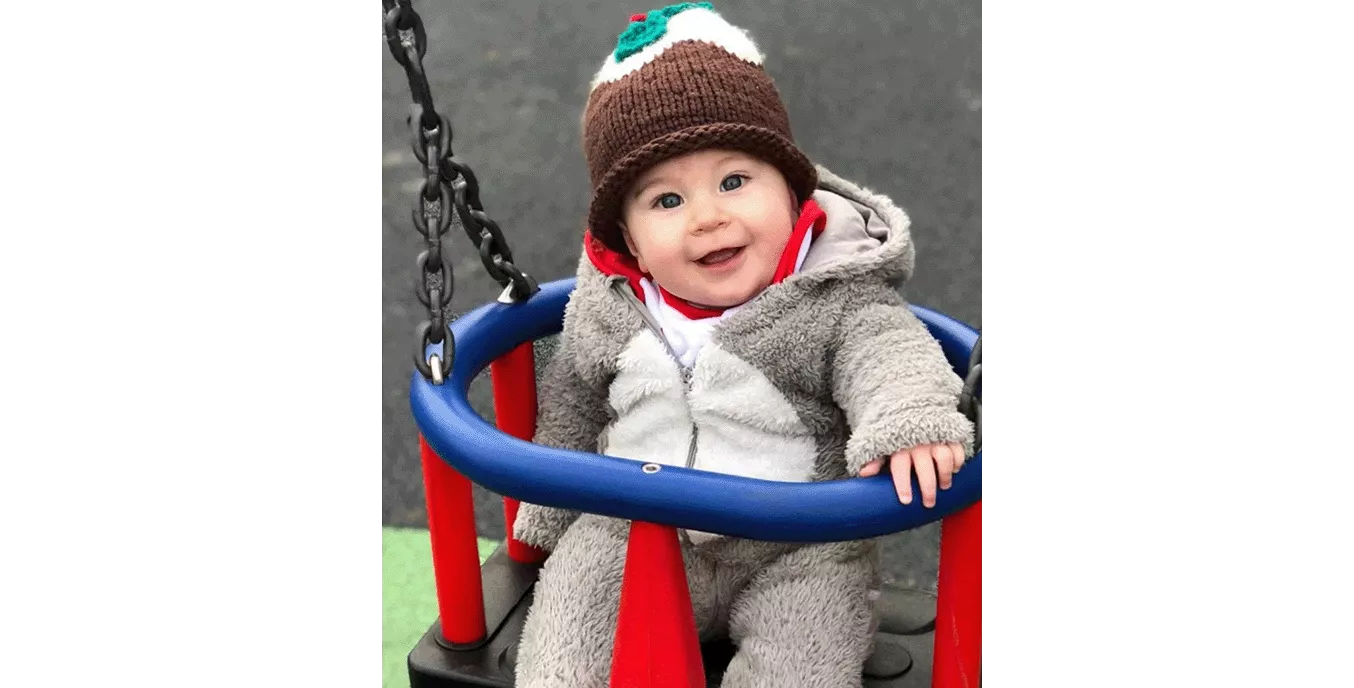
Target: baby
column 736, row 311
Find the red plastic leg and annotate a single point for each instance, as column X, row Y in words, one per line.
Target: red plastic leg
column 656, row 641
column 514, row 381
column 959, row 607
column 456, row 557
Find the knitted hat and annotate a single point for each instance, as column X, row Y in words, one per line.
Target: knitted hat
column 681, row 79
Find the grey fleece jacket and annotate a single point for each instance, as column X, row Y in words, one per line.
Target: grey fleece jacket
column 812, row 379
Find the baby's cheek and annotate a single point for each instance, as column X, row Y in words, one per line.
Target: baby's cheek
column 767, row 260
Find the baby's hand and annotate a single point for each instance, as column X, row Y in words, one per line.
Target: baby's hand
column 947, row 457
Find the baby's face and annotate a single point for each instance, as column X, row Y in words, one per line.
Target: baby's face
column 710, row 226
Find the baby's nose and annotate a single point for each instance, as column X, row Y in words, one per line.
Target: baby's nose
column 709, row 218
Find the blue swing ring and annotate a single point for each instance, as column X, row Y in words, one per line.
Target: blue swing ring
column 852, row 509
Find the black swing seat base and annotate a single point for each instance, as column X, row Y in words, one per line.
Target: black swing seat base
column 902, row 656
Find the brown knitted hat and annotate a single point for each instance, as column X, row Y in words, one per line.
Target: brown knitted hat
column 681, row 79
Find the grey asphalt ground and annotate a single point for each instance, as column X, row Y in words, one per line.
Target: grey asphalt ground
column 888, row 94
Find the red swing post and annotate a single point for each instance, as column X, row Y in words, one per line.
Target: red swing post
column 514, row 382
column 455, row 547
column 657, row 645
column 959, row 601
column 451, row 506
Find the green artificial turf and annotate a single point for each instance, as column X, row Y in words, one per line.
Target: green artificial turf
column 409, row 600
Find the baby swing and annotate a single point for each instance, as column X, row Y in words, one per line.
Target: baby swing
column 482, row 607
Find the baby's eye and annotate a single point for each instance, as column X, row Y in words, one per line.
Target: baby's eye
column 668, row 201
column 732, row 182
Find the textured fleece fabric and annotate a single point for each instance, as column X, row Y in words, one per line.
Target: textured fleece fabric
column 808, row 381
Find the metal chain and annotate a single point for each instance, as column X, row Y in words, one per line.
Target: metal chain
column 447, row 182
column 970, row 398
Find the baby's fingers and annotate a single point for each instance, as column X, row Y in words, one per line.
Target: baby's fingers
column 958, row 451
column 871, row 468
column 901, row 465
column 944, row 465
column 926, row 474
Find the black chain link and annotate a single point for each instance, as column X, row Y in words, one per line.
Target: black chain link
column 447, row 182
column 971, row 397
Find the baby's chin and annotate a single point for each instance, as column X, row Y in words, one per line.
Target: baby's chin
column 720, row 298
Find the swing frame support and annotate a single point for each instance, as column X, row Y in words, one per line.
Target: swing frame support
column 476, row 604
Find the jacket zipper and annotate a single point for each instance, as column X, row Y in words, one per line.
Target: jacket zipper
column 629, row 297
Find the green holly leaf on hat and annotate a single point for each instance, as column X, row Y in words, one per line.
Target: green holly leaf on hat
column 645, row 31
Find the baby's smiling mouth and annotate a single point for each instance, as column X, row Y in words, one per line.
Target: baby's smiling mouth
column 721, row 256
